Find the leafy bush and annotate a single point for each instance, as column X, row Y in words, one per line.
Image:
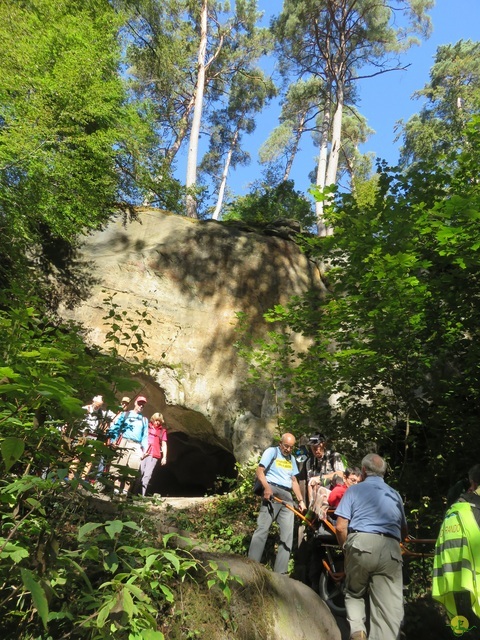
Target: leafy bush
column 266, row 204
column 63, row 575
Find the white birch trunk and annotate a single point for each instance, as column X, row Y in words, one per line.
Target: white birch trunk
column 192, row 160
column 331, row 168
column 223, row 183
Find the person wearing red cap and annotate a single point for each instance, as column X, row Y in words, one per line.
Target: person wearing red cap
column 129, row 431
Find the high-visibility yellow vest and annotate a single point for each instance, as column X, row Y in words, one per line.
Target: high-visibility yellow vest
column 456, row 564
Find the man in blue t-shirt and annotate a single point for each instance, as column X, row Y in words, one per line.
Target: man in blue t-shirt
column 277, row 473
column 370, row 524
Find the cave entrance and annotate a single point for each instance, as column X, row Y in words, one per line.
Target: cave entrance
column 198, row 460
column 194, row 468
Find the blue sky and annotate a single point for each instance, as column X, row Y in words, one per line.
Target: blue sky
column 384, row 99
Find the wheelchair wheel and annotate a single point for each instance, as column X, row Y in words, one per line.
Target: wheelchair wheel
column 332, row 592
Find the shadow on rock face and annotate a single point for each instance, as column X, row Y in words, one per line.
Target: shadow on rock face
column 194, row 468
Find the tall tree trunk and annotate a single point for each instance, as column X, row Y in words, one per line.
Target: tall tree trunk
column 334, row 155
column 336, row 140
column 221, row 191
column 296, row 143
column 192, row 160
column 322, row 168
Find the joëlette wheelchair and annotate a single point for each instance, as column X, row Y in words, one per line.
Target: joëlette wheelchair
column 325, row 571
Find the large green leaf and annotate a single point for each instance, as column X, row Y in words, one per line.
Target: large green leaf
column 86, row 529
column 38, row 594
column 114, row 527
column 150, row 634
column 12, row 450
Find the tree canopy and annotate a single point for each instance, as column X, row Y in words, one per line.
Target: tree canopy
column 67, row 134
column 266, row 204
column 451, row 98
column 394, row 351
column 336, row 41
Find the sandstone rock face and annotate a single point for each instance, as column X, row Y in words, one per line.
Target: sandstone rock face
column 275, row 607
column 194, row 278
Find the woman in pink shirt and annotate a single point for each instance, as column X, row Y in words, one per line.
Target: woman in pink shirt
column 156, row 451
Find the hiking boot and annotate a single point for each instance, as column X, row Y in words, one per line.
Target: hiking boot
column 358, row 635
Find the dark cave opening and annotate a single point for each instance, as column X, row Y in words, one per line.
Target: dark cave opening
column 194, row 468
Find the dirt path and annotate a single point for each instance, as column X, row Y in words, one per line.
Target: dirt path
column 183, row 503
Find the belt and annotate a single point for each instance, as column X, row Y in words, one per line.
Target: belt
column 375, row 533
column 274, row 484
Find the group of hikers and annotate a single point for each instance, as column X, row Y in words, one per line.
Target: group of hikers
column 369, row 525
column 367, row 515
column 139, row 443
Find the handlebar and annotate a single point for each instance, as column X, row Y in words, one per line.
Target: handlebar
column 297, row 513
column 329, row 525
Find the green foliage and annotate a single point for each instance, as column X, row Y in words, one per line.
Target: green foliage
column 127, row 335
column 71, row 147
column 60, row 102
column 394, row 346
column 451, row 98
column 266, row 204
column 97, row 577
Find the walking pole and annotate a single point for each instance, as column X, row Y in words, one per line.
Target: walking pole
column 297, row 513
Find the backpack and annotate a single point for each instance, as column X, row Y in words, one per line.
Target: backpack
column 257, row 485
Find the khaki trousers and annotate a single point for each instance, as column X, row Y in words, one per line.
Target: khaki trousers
column 373, row 566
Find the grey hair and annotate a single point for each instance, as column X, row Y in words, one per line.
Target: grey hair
column 374, row 465
column 474, row 474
